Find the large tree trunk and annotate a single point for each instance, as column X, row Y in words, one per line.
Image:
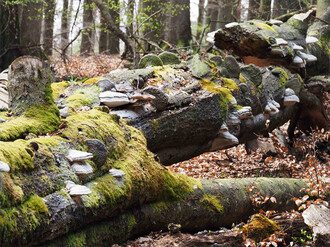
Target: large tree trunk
column 265, row 9
column 253, row 9
column 322, row 7
column 86, row 46
column 49, row 12
column 228, row 12
column 30, row 28
column 212, row 10
column 178, row 29
column 9, row 34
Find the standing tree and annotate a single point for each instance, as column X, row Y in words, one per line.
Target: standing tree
column 212, row 14
column 86, row 41
column 65, row 24
column 200, row 20
column 178, row 28
column 49, row 12
column 9, row 34
column 228, row 12
column 30, row 27
column 253, row 10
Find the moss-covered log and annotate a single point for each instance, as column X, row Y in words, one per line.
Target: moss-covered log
column 35, row 200
column 264, row 43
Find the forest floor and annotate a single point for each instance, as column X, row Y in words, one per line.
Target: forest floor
column 308, row 158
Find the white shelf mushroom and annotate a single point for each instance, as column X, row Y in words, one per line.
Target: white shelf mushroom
column 76, row 155
column 276, row 22
column 232, row 24
column 76, row 191
column 4, row 167
column 311, row 39
column 276, row 104
column 82, row 170
column 117, row 174
column 311, row 58
column 113, row 99
column 290, row 100
column 298, row 61
column 296, row 47
column 281, row 42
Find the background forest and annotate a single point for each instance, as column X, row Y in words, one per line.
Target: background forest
column 83, row 27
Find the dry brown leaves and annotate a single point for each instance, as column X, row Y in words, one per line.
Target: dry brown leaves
column 86, row 67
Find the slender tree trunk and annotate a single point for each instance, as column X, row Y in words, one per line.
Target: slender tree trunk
column 200, row 20
column 103, row 35
column 49, row 12
column 65, row 24
column 212, row 14
column 227, row 12
column 86, row 41
column 265, row 9
column 253, row 9
column 113, row 40
column 30, row 28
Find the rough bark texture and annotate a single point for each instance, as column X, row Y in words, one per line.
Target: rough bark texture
column 253, row 9
column 178, row 32
column 86, row 41
column 9, row 35
column 30, row 28
column 212, row 14
column 49, row 26
column 65, row 24
column 265, row 9
column 113, row 40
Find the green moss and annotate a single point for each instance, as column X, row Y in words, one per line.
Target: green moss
column 231, row 84
column 21, row 219
column 260, row 227
column 159, row 206
column 264, row 26
column 238, row 107
column 42, row 119
column 169, row 58
column 92, row 80
column 283, row 75
column 76, row 240
column 58, row 88
column 212, row 203
column 84, row 96
column 150, row 60
column 242, row 78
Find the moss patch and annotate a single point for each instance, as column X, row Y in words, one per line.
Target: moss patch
column 260, row 227
column 230, row 83
column 58, row 88
column 242, row 78
column 92, row 80
column 84, row 96
column 282, row 74
column 21, row 219
column 264, row 26
column 212, row 203
column 37, row 120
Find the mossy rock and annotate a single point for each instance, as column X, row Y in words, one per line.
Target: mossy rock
column 198, row 68
column 150, row 60
column 252, row 74
column 169, row 58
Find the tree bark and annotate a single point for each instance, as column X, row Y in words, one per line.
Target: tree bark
column 9, row 34
column 178, row 30
column 265, row 9
column 65, row 24
column 49, row 12
column 212, row 8
column 86, row 40
column 227, row 13
column 30, row 28
column 201, row 17
column 253, row 9
column 113, row 40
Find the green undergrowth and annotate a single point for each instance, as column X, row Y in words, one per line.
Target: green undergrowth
column 212, row 203
column 36, row 120
column 17, row 221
